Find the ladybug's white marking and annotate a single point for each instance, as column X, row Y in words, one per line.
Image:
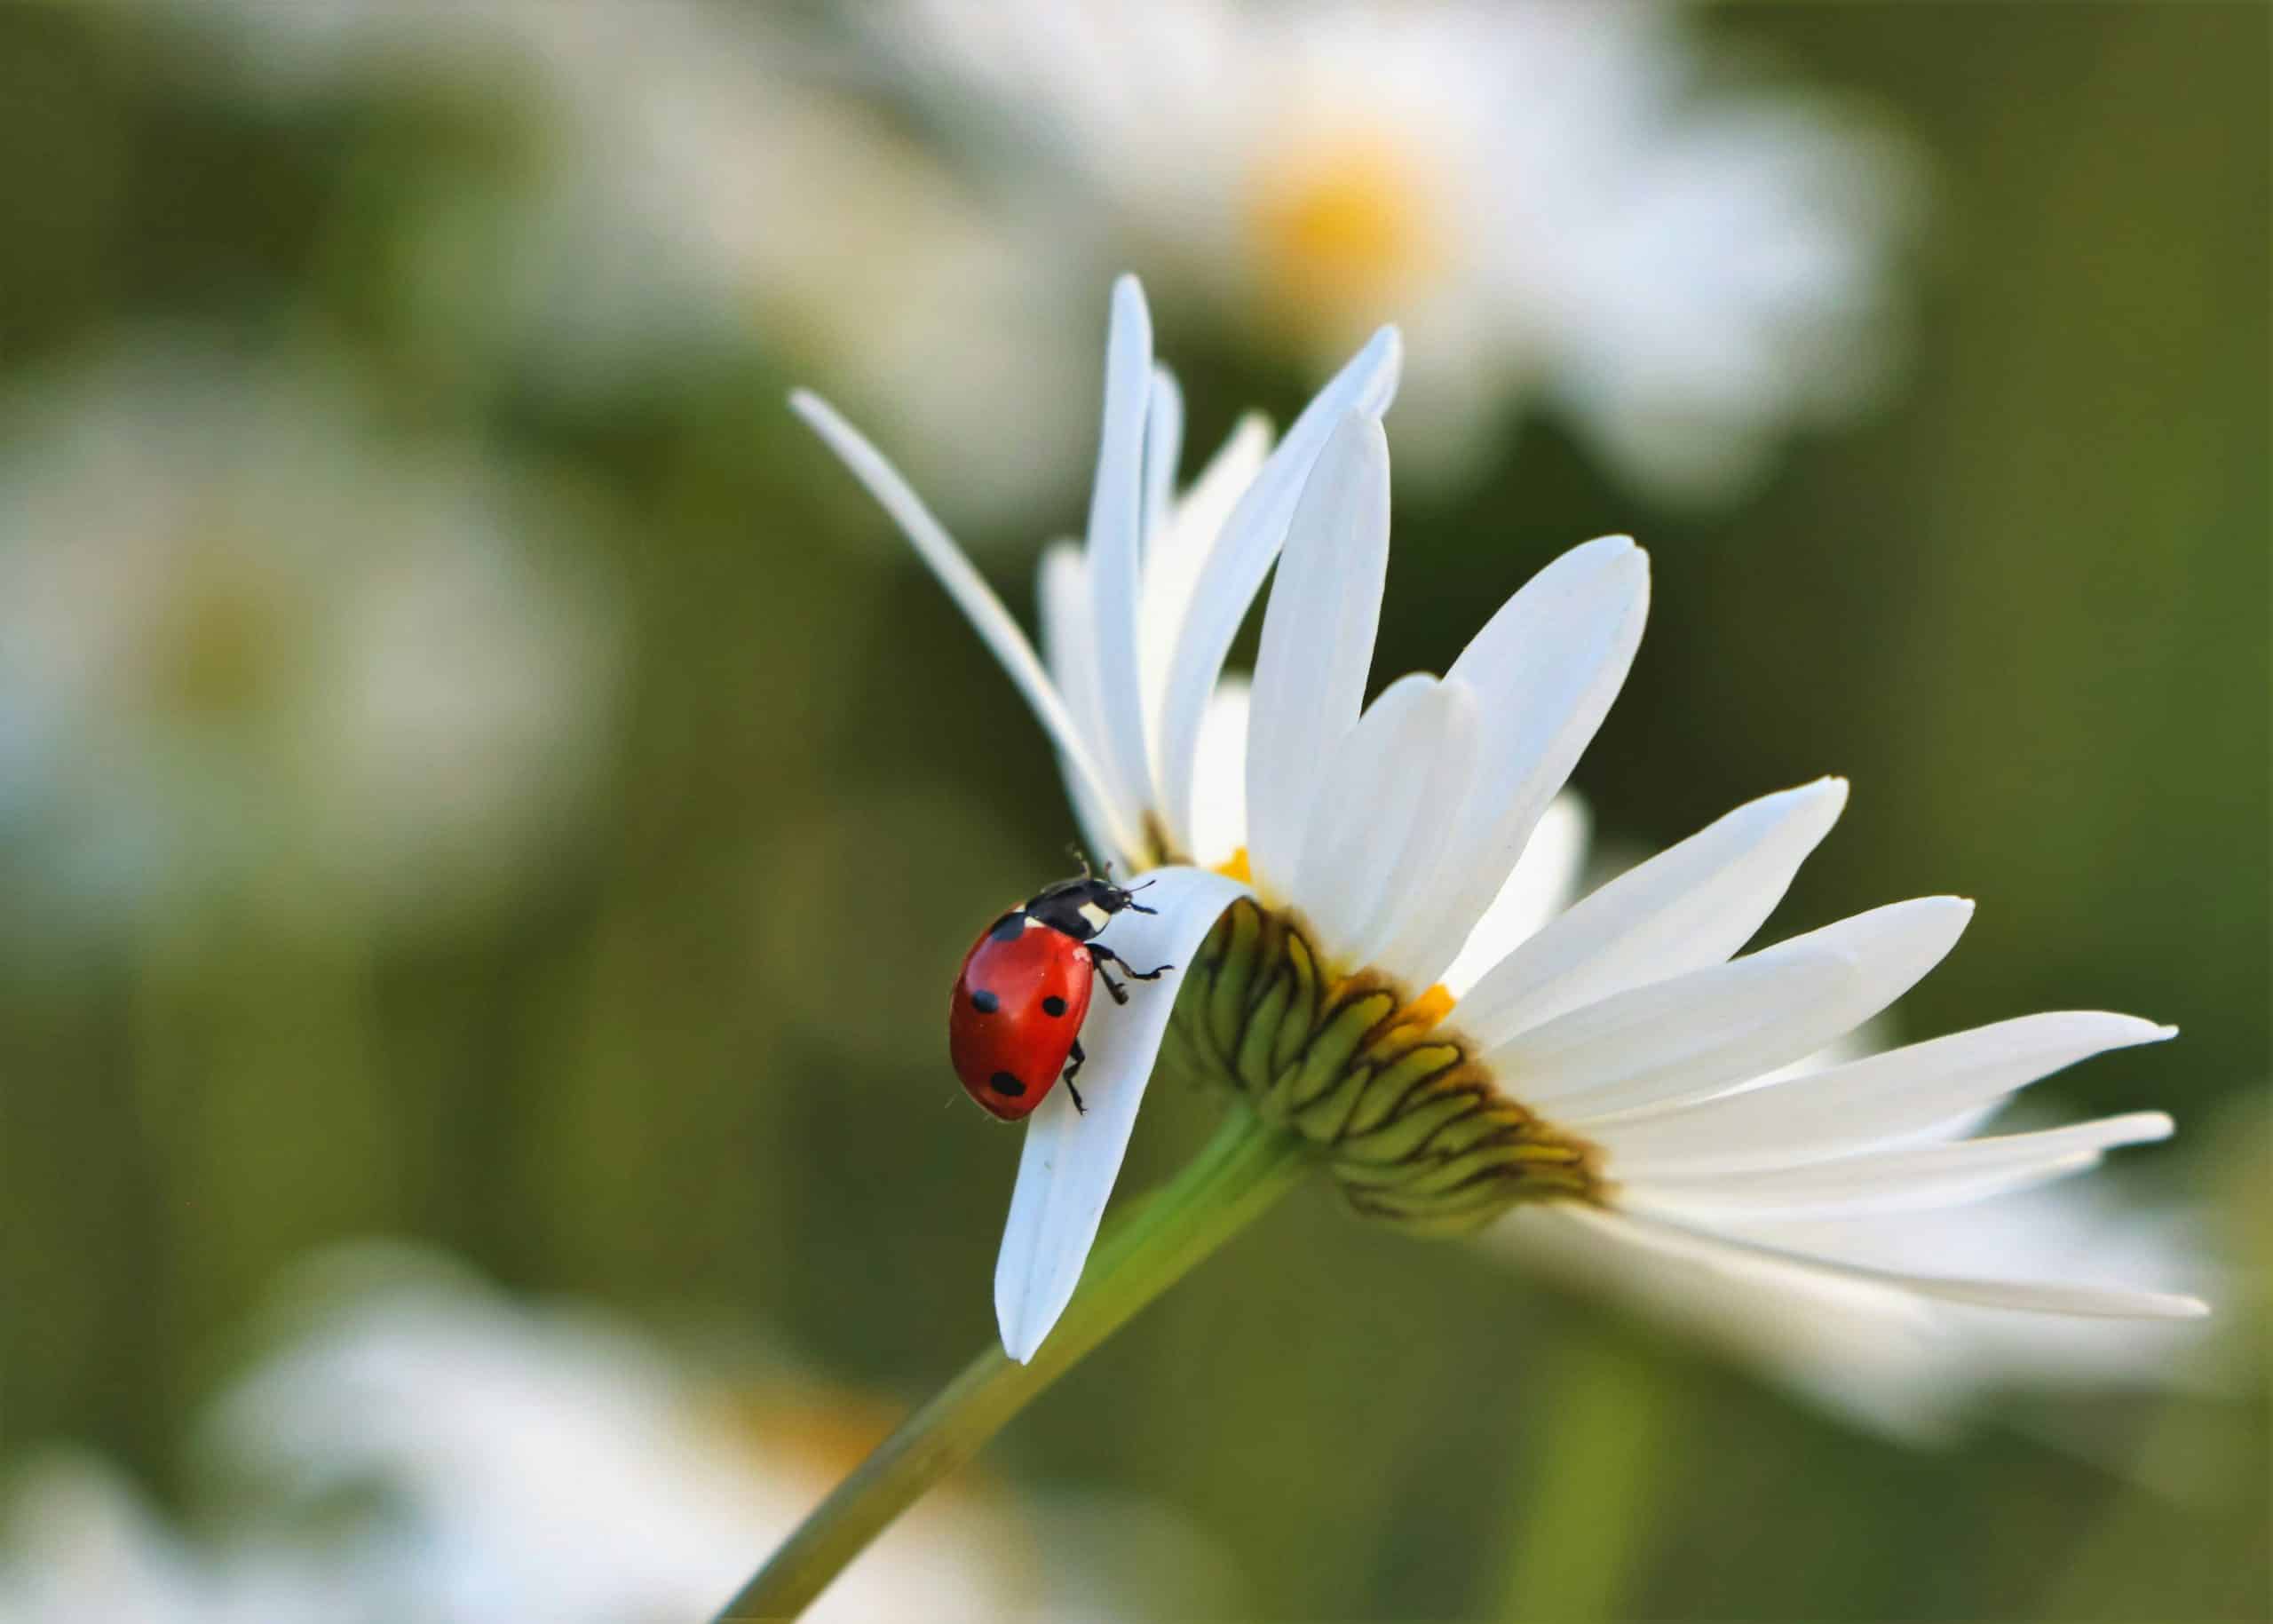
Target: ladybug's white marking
column 1095, row 916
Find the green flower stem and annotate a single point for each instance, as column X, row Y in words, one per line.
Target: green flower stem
column 1242, row 1171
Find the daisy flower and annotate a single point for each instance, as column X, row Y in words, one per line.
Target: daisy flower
column 1583, row 207
column 244, row 631
column 1363, row 970
column 676, row 194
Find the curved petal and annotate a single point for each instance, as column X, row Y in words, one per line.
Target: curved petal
column 1653, row 1049
column 1692, row 905
column 1908, row 1179
column 1163, row 449
column 1721, row 1252
column 1241, row 556
column 1318, row 644
column 1116, row 518
column 1173, row 558
column 1890, row 1098
column 1380, row 809
column 1544, row 670
column 971, row 595
column 1070, row 1161
column 1538, row 889
column 1062, row 590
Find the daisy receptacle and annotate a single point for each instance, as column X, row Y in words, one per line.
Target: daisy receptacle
column 1376, row 977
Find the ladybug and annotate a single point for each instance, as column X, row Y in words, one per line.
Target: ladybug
column 1024, row 988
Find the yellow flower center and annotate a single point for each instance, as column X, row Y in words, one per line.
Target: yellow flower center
column 1342, row 228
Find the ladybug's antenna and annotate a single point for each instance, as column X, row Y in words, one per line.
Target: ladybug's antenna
column 1135, row 906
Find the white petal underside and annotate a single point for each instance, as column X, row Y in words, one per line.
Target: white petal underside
column 1317, row 645
column 1544, row 672
column 1382, row 810
column 1241, row 556
column 1674, row 1042
column 1070, row 1159
column 1062, row 590
column 1116, row 518
column 1741, row 1258
column 1544, row 880
column 971, row 594
column 1691, row 905
column 1163, row 449
column 1909, row 1179
column 1886, row 1098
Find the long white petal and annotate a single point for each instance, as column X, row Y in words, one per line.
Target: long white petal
column 1173, row 558
column 1890, row 1098
column 971, row 595
column 1728, row 1254
column 1691, row 905
column 1654, row 1048
column 1905, row 1180
column 1545, row 669
column 1062, row 590
column 1538, row 889
column 1219, row 789
column 1163, row 449
column 1241, row 556
column 1070, row 1159
column 1116, row 522
column 1318, row 644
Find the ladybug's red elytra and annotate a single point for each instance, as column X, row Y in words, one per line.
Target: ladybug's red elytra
column 1024, row 988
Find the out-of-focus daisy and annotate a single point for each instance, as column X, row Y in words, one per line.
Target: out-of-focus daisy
column 244, row 634
column 1581, row 204
column 1376, row 985
column 463, row 1457
column 678, row 194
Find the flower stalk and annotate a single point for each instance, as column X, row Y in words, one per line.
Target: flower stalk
column 1239, row 1173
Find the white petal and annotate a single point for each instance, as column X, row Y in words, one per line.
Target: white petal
column 1163, row 449
column 1905, row 1180
column 1381, row 818
column 1063, row 592
column 973, row 596
column 1116, row 518
column 1691, row 905
column 1653, row 1048
column 1241, row 556
column 1070, row 1161
column 1545, row 879
column 1845, row 1109
column 1173, row 558
column 1318, row 644
column 1219, row 789
column 1727, row 1254
column 1544, row 669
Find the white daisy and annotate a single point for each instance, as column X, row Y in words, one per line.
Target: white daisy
column 678, row 194
column 1580, row 205
column 1376, row 985
column 243, row 632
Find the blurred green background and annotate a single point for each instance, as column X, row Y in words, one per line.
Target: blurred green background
column 689, row 1064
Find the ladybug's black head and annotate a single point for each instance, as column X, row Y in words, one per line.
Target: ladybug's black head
column 1080, row 906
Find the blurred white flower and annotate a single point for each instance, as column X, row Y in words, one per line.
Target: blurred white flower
column 243, row 635
column 1580, row 204
column 680, row 191
column 417, row 1446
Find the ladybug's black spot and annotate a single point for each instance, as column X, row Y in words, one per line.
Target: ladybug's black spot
column 1011, row 926
column 985, row 1001
column 1053, row 1005
column 1003, row 1082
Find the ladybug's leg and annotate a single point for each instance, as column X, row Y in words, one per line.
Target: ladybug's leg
column 1099, row 953
column 1097, row 962
column 1078, row 1057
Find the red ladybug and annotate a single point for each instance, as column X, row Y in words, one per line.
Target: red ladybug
column 1025, row 986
